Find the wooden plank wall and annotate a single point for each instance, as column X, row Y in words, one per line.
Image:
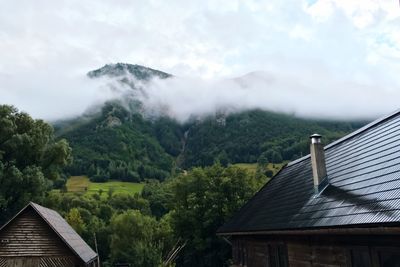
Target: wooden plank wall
column 28, row 235
column 37, row 262
column 304, row 254
column 250, row 252
column 308, row 251
column 58, row 261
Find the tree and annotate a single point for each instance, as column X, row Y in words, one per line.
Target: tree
column 158, row 195
column 263, row 159
column 75, row 220
column 203, row 200
column 29, row 159
column 135, row 239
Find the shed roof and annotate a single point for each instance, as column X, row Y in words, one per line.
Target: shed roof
column 364, row 175
column 68, row 235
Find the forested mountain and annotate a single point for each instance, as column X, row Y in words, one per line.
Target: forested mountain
column 245, row 136
column 120, row 141
column 122, row 69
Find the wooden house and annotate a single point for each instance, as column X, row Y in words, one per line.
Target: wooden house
column 338, row 206
column 40, row 237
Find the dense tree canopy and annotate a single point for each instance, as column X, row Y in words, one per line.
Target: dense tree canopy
column 202, row 201
column 138, row 239
column 30, row 159
column 124, row 227
column 245, row 136
column 120, row 142
column 174, row 221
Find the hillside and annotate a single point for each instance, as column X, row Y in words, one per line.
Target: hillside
column 120, row 142
column 82, row 185
column 245, row 136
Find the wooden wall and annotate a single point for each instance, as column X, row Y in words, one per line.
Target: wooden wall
column 29, row 238
column 311, row 251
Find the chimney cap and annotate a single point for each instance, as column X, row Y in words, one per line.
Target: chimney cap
column 315, row 138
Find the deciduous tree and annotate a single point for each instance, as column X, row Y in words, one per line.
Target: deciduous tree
column 30, row 158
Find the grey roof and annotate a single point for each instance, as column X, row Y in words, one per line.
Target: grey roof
column 364, row 175
column 64, row 231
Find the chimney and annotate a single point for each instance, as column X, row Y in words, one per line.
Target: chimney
column 318, row 164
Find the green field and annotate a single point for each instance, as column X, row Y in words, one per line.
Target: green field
column 252, row 167
column 82, row 184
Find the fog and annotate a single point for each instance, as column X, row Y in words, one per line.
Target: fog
column 313, row 97
column 53, row 96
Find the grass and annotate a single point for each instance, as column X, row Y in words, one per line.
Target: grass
column 78, row 184
column 82, row 184
column 117, row 186
column 252, row 167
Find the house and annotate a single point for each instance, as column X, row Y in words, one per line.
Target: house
column 338, row 206
column 38, row 236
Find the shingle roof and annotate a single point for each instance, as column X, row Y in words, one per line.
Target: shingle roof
column 364, row 175
column 64, row 231
column 67, row 234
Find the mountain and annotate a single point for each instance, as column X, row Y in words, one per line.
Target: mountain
column 122, row 69
column 120, row 141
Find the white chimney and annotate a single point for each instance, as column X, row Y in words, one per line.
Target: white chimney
column 318, row 163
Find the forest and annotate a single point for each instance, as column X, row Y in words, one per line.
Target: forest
column 117, row 143
column 173, row 221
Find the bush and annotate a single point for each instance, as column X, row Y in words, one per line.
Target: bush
column 59, row 183
column 99, row 178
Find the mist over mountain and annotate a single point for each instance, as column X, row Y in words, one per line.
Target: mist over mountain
column 184, row 98
column 52, row 95
column 152, row 126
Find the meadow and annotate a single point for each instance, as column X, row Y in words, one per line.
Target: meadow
column 82, row 184
column 252, row 167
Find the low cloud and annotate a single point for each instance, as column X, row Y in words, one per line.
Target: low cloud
column 53, row 95
column 183, row 98
column 318, row 96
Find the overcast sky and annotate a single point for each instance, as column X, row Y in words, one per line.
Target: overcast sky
column 342, row 54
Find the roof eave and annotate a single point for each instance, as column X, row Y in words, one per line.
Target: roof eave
column 382, row 228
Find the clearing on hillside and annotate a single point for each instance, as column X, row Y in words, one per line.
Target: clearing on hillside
column 252, row 167
column 82, row 184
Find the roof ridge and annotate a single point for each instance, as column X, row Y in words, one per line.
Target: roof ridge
column 350, row 135
column 363, row 129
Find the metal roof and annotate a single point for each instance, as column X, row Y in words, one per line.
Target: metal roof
column 63, row 230
column 364, row 175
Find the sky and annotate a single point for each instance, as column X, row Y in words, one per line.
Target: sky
column 322, row 58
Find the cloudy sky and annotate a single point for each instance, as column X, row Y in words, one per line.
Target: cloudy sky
column 343, row 56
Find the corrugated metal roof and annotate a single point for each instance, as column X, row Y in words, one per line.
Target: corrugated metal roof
column 364, row 175
column 63, row 230
column 66, row 232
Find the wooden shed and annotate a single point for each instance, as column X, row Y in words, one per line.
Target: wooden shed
column 38, row 236
column 338, row 206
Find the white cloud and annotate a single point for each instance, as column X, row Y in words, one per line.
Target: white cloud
column 47, row 44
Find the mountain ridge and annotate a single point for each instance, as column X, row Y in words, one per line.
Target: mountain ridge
column 120, row 69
